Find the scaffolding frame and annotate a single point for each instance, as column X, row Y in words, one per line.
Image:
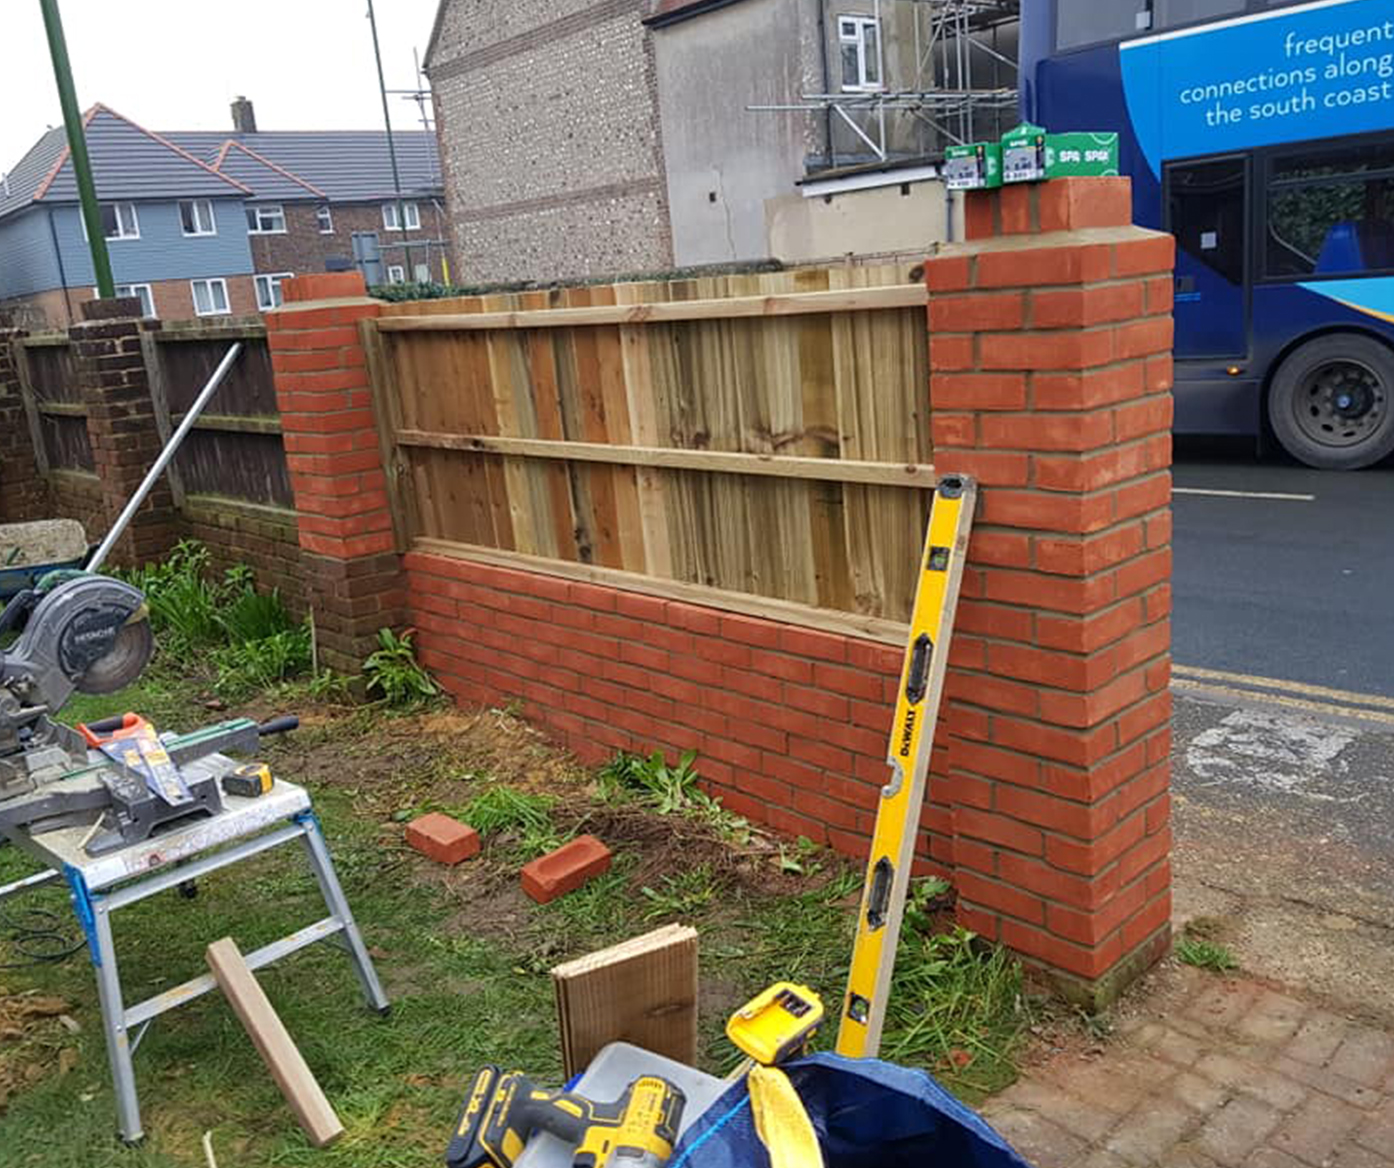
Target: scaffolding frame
column 948, row 37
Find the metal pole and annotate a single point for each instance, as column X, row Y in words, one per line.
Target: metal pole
column 124, row 519
column 391, row 146
column 77, row 147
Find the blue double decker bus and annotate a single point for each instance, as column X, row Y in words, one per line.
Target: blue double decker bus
column 1261, row 134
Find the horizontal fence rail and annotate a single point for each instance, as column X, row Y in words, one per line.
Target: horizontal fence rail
column 750, row 436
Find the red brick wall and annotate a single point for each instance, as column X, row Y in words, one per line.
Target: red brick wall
column 264, row 538
column 1050, row 351
column 174, row 300
column 791, row 723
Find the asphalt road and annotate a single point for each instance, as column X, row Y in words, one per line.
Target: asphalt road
column 1300, row 589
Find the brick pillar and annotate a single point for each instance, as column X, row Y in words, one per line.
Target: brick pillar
column 353, row 573
column 1050, row 352
column 121, row 426
column 23, row 494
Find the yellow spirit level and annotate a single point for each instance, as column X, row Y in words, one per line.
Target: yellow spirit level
column 912, row 740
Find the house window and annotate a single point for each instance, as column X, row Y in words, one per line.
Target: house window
column 119, row 221
column 141, row 291
column 269, row 290
column 860, row 40
column 391, row 221
column 210, row 297
column 196, row 217
column 422, row 273
column 326, row 219
column 266, row 219
column 396, row 274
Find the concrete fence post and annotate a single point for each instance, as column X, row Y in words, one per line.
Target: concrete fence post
column 23, row 495
column 1050, row 356
column 121, row 426
column 352, row 570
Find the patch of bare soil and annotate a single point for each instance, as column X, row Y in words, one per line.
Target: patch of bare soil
column 32, row 1046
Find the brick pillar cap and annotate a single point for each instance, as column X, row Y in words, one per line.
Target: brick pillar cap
column 324, row 286
column 1062, row 204
column 114, row 308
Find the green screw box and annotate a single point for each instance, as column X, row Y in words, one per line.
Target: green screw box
column 974, row 167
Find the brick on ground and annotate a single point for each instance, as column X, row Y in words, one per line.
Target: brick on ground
column 443, row 839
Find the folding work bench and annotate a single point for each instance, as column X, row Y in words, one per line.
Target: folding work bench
column 100, row 885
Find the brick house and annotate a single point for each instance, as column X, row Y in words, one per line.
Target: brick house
column 208, row 223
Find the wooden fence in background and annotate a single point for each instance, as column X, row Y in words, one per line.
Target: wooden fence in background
column 234, row 450
column 766, row 437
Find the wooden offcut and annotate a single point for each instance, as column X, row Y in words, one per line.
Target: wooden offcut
column 642, row 991
column 273, row 1042
column 759, row 435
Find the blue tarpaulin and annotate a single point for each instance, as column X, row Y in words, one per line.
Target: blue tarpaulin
column 868, row 1114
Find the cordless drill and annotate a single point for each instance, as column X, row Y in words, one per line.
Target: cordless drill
column 503, row 1111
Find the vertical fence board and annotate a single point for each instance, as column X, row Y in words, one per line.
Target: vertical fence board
column 843, row 384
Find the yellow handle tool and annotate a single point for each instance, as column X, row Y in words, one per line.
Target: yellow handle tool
column 912, row 741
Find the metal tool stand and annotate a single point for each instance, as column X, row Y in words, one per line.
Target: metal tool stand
column 101, row 885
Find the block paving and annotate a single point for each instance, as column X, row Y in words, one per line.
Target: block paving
column 1227, row 1073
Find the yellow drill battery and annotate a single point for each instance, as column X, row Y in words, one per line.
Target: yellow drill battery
column 249, row 780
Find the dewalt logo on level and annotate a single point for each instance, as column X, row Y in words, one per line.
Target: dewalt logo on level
column 907, row 733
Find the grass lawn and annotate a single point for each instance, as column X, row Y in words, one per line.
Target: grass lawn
column 464, row 956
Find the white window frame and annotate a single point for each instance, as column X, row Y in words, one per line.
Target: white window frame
column 266, row 210
column 410, row 210
column 226, row 310
column 271, row 282
column 324, row 215
column 202, row 226
column 851, row 30
column 124, row 230
column 421, row 273
column 396, row 274
column 144, row 292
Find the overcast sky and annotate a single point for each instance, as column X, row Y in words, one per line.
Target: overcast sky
column 177, row 64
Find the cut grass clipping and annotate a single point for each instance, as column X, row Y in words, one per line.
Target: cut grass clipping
column 1205, row 955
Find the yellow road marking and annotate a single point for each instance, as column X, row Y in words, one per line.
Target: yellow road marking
column 1348, row 697
column 1303, row 704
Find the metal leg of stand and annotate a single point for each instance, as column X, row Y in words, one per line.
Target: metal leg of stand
column 118, row 1045
column 323, row 868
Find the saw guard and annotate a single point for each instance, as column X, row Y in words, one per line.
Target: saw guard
column 90, row 634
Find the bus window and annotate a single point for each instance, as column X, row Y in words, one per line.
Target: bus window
column 1088, row 22
column 1331, row 213
column 1205, row 211
column 1174, row 13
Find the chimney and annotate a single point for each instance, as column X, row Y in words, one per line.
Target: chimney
column 244, row 118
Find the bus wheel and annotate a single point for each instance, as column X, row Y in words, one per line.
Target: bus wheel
column 1331, row 403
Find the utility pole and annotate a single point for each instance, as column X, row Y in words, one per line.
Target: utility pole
column 77, row 148
column 391, row 146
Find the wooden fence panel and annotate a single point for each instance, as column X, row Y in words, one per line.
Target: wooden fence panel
column 728, row 432
column 234, row 450
column 53, row 399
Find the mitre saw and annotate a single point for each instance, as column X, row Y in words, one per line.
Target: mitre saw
column 91, row 634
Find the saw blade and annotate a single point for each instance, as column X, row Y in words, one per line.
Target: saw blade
column 130, row 653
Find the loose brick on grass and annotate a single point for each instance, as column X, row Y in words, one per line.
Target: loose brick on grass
column 566, row 869
column 445, row 840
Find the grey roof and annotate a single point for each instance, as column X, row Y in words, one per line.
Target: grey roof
column 128, row 162
column 261, row 175
column 31, row 170
column 347, row 165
